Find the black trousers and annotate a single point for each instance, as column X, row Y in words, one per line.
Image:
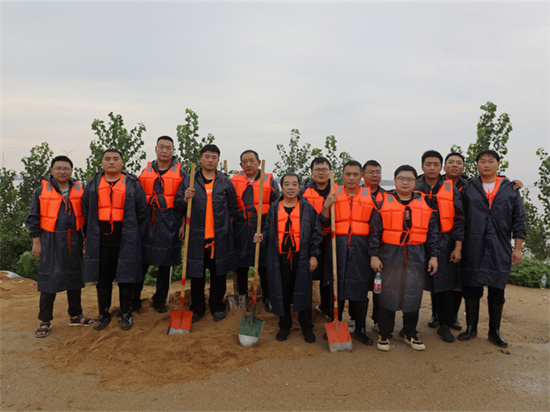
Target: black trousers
column 46, row 304
column 445, row 307
column 288, row 279
column 217, row 288
column 242, row 280
column 108, row 262
column 495, row 296
column 163, row 285
column 386, row 322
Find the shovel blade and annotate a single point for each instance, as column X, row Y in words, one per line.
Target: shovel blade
column 250, row 330
column 180, row 321
column 232, row 302
column 339, row 339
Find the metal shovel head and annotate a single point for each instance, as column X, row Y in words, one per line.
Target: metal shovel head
column 339, row 339
column 180, row 321
column 250, row 330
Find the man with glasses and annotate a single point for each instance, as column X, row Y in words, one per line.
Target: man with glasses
column 316, row 190
column 164, row 230
column 247, row 187
column 403, row 233
column 55, row 221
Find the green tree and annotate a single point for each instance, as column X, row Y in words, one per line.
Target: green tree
column 298, row 157
column 114, row 136
column 37, row 168
column 14, row 237
column 189, row 145
column 492, row 133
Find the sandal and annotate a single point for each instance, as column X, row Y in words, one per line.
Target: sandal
column 81, row 321
column 43, row 330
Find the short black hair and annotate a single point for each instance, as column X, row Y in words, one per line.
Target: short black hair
column 371, row 163
column 455, row 154
column 250, row 151
column 319, row 161
column 166, row 138
column 352, row 163
column 405, row 168
column 432, row 153
column 210, row 148
column 61, row 158
column 488, row 152
column 290, row 174
column 112, row 151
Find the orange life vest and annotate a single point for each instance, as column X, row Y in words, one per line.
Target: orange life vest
column 110, row 200
column 446, row 205
column 209, row 231
column 352, row 214
column 393, row 215
column 491, row 195
column 241, row 182
column 50, row 202
column 169, row 181
column 294, row 232
column 316, row 200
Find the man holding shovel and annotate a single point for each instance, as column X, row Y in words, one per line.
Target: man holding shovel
column 247, row 187
column 211, row 244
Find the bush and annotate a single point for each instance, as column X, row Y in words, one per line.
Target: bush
column 529, row 273
column 27, row 266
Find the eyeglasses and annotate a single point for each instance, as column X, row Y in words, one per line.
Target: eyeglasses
column 402, row 179
column 62, row 169
column 321, row 170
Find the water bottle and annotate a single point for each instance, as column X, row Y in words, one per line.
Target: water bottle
column 542, row 282
column 377, row 283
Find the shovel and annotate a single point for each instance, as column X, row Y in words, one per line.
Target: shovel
column 232, row 299
column 251, row 327
column 339, row 339
column 180, row 320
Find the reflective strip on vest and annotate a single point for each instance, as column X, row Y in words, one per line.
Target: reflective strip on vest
column 393, row 216
column 111, row 199
column 50, row 202
column 282, row 218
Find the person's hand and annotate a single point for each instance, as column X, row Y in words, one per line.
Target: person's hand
column 517, row 257
column 376, row 264
column 181, row 232
column 258, row 238
column 189, row 193
column 312, row 263
column 456, row 255
column 518, row 184
column 330, row 200
column 432, row 265
column 36, row 247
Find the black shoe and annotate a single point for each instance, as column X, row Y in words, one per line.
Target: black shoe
column 445, row 333
column 160, row 307
column 103, row 321
column 494, row 336
column 434, row 321
column 127, row 321
column 267, row 306
column 282, row 335
column 363, row 337
column 196, row 317
column 219, row 316
column 468, row 334
column 309, row 336
column 457, row 325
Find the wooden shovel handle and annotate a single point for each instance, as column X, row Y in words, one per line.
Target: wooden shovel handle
column 333, row 238
column 258, row 231
column 187, row 230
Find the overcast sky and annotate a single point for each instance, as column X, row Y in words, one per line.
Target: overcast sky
column 389, row 80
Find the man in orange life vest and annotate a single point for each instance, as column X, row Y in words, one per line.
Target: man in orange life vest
column 247, row 186
column 164, row 230
column 115, row 210
column 403, row 233
column 55, row 221
column 293, row 235
column 494, row 215
column 316, row 190
column 353, row 208
column 442, row 196
column 211, row 242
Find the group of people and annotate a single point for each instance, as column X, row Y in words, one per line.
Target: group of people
column 437, row 232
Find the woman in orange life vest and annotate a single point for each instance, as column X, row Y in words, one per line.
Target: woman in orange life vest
column 55, row 221
column 442, row 196
column 115, row 210
column 403, row 232
column 293, row 236
column 494, row 214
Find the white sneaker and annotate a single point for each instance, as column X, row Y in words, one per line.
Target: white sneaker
column 415, row 343
column 351, row 326
column 383, row 345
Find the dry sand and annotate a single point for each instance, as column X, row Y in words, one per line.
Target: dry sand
column 78, row 368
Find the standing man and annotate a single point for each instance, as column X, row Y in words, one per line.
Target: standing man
column 164, row 230
column 443, row 196
column 211, row 243
column 316, row 191
column 247, row 187
column 55, row 221
column 404, row 233
column 494, row 215
column 372, row 176
column 353, row 207
column 293, row 235
column 115, row 210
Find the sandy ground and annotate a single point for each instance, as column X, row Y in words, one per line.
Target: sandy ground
column 78, row 368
